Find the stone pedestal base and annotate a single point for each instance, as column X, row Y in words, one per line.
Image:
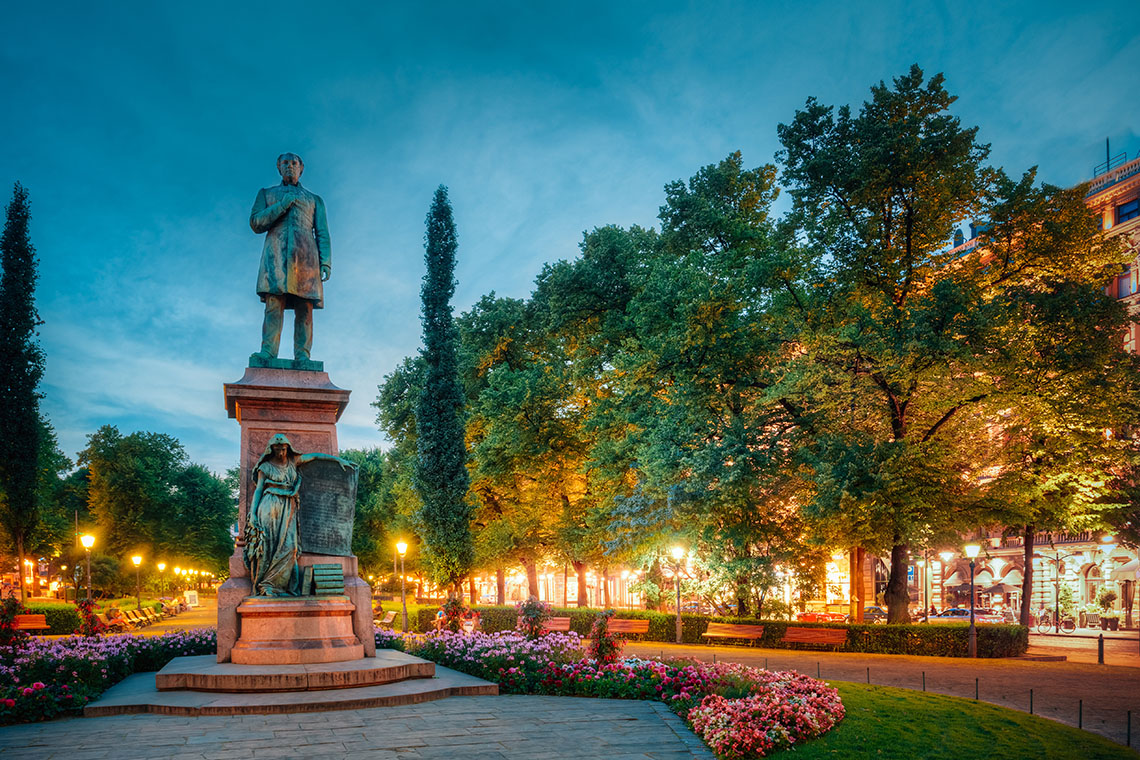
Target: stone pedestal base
column 292, row 630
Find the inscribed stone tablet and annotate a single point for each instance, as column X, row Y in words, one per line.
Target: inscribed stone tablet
column 327, row 509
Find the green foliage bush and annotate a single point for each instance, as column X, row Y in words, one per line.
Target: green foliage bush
column 941, row 640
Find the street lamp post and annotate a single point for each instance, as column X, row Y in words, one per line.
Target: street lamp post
column 925, row 594
column 678, row 553
column 88, row 541
column 972, row 552
column 161, row 580
column 138, row 584
column 946, row 557
column 402, row 548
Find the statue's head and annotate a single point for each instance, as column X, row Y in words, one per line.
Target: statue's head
column 277, row 444
column 290, row 166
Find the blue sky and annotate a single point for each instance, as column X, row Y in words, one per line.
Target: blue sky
column 144, row 130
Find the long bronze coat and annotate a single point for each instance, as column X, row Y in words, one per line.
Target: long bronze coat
column 296, row 246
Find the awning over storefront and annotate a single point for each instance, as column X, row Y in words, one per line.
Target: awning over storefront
column 954, row 580
column 1001, row 588
column 1014, row 578
column 1126, row 572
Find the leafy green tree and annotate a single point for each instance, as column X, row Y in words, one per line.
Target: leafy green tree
column 441, row 474
column 892, row 337
column 145, row 495
column 21, row 367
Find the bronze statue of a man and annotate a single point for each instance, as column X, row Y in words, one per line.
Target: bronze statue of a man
column 296, row 258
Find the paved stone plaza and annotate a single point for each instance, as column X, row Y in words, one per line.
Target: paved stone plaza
column 471, row 728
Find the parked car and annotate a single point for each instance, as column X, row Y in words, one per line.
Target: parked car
column 832, row 613
column 962, row 615
column 874, row 615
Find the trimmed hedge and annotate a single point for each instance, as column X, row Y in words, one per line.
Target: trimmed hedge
column 63, row 618
column 939, row 640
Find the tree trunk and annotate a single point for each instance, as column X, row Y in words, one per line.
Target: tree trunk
column 580, row 571
column 471, row 588
column 20, row 568
column 1027, row 578
column 565, row 584
column 500, row 585
column 741, row 596
column 760, row 603
column 606, row 601
column 898, row 595
column 657, row 578
column 531, row 568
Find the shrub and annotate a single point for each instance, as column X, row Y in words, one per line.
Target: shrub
column 10, row 636
column 604, row 645
column 532, row 616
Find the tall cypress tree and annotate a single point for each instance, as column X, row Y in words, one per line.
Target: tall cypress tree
column 441, row 473
column 21, row 366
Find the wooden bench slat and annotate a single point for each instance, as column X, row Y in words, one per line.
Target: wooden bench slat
column 624, row 625
column 31, row 623
column 734, row 631
column 836, row 636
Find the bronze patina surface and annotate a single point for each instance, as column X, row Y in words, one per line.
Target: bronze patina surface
column 328, row 507
column 295, row 260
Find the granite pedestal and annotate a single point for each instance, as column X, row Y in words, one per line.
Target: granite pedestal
column 305, row 406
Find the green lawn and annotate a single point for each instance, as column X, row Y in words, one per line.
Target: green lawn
column 884, row 722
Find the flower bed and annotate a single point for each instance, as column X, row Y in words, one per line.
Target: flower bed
column 44, row 678
column 740, row 712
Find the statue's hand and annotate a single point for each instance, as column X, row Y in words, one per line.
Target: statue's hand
column 326, row 272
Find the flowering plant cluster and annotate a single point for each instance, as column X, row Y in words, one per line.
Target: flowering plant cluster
column 89, row 623
column 49, row 677
column 10, row 635
column 533, row 615
column 508, row 658
column 740, row 712
column 605, row 646
column 454, row 613
column 386, row 638
column 786, row 711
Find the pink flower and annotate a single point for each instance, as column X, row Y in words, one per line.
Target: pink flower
column 28, row 691
column 9, row 703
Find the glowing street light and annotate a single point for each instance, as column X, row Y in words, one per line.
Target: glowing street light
column 161, row 580
column 402, row 549
column 972, row 551
column 678, row 553
column 138, row 586
column 88, row 541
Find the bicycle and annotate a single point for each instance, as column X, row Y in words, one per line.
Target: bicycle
column 1045, row 624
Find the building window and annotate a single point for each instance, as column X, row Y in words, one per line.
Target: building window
column 1129, row 210
column 1124, row 283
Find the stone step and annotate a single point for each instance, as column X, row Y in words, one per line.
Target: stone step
column 137, row 694
column 205, row 673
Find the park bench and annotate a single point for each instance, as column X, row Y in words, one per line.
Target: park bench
column 117, row 625
column 734, row 631
column 388, row 619
column 135, row 618
column 151, row 615
column 31, row 623
column 628, row 627
column 561, row 624
column 836, row 637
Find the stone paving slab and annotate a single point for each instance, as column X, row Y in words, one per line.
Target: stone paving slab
column 138, row 694
column 531, row 728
